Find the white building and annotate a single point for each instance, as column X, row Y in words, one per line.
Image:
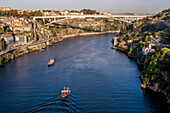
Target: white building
column 76, row 13
column 107, row 13
column 65, row 12
column 146, row 50
column 21, row 38
column 115, row 41
column 5, row 8
column 8, row 38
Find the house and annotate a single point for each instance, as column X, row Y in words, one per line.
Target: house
column 46, row 13
column 26, row 28
column 5, row 8
column 17, row 28
column 22, row 28
column 81, row 13
column 129, row 41
column 107, row 13
column 123, row 44
column 145, row 50
column 20, row 12
column 8, row 38
column 65, row 12
column 151, row 49
column 54, row 13
column 21, row 38
column 76, row 13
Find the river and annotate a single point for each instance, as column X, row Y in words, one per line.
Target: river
column 101, row 80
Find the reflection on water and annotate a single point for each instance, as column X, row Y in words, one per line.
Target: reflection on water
column 101, row 80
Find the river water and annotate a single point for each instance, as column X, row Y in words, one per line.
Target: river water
column 101, row 80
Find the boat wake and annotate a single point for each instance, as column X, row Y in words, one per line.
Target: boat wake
column 56, row 104
column 44, row 104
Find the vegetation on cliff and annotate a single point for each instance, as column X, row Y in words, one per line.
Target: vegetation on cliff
column 76, row 26
column 155, row 25
column 156, row 73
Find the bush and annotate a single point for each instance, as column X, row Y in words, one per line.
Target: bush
column 1, row 60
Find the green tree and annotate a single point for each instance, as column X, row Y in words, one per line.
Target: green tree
column 7, row 29
column 1, row 30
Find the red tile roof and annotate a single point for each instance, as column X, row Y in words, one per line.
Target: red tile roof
column 25, row 26
column 19, row 35
column 122, row 43
column 6, row 35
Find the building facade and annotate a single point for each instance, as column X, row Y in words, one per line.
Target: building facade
column 5, row 8
column 21, row 38
column 9, row 39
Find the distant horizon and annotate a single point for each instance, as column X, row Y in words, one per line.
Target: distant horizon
column 113, row 6
column 82, row 9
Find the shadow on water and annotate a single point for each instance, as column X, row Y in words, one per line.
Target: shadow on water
column 140, row 67
column 157, row 99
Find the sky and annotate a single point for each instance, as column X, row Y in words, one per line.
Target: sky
column 113, row 6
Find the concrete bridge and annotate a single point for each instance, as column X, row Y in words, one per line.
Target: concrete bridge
column 90, row 16
column 60, row 18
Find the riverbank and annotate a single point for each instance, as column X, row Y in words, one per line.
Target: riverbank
column 120, row 49
column 136, row 57
column 5, row 58
column 155, row 74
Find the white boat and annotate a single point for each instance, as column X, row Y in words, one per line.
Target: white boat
column 51, row 62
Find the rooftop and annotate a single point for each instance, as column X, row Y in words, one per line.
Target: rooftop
column 5, row 35
column 19, row 35
column 122, row 43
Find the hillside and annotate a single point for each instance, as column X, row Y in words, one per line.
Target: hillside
column 158, row 25
column 148, row 41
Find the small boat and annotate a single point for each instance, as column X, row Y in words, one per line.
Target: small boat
column 65, row 93
column 51, row 62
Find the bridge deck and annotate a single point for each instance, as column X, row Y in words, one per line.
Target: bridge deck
column 91, row 16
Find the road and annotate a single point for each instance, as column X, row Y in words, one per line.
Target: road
column 39, row 42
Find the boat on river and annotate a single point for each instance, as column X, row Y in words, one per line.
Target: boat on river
column 65, row 92
column 51, row 62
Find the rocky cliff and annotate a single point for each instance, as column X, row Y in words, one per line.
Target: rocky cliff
column 156, row 73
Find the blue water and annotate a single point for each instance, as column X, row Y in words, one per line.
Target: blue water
column 101, row 80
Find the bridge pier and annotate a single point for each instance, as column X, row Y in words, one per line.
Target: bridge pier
column 124, row 22
column 44, row 20
column 55, row 19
